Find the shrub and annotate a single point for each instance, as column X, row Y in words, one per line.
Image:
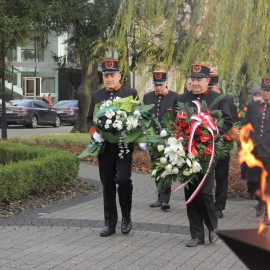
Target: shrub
column 27, row 169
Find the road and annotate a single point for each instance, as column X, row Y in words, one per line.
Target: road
column 21, row 131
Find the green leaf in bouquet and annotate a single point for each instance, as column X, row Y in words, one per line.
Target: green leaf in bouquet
column 144, row 133
column 127, row 103
column 107, row 136
column 93, row 149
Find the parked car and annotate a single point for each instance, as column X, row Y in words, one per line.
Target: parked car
column 32, row 112
column 68, row 110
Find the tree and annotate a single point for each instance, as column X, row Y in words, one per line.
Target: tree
column 15, row 25
column 232, row 38
column 88, row 22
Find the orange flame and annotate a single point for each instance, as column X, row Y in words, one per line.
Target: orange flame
column 245, row 155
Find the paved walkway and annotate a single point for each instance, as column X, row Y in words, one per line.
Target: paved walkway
column 66, row 235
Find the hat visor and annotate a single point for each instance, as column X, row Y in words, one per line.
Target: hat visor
column 109, row 71
column 265, row 88
column 158, row 82
column 198, row 75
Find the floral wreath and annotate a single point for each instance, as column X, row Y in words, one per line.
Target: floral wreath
column 187, row 146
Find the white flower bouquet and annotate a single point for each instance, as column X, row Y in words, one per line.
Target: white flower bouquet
column 123, row 121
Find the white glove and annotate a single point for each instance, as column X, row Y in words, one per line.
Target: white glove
column 143, row 146
column 98, row 137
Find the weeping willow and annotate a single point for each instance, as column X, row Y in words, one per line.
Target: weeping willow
column 232, row 36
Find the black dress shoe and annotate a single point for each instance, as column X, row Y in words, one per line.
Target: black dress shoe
column 194, row 242
column 165, row 206
column 155, row 204
column 126, row 225
column 219, row 214
column 107, row 231
column 213, row 237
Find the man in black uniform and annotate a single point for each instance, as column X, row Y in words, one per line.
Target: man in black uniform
column 112, row 169
column 258, row 115
column 202, row 209
column 222, row 165
column 165, row 101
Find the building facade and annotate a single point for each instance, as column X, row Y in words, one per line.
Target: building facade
column 33, row 72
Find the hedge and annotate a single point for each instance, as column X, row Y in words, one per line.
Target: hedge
column 32, row 169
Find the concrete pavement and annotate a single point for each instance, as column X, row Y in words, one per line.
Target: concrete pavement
column 66, row 235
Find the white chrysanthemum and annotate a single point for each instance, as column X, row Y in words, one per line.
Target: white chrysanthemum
column 109, row 114
column 180, row 162
column 118, row 125
column 163, row 133
column 108, row 122
column 137, row 113
column 175, row 170
column 106, row 103
column 196, row 166
column 187, row 171
column 163, row 160
column 106, row 126
column 131, row 122
column 168, row 168
column 164, row 174
column 160, row 147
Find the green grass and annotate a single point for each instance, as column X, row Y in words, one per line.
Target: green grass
column 71, row 138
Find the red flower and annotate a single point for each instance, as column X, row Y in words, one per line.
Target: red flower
column 187, row 131
column 209, row 149
column 206, row 138
column 198, row 131
column 194, row 151
column 182, row 115
column 180, row 135
column 184, row 125
column 227, row 137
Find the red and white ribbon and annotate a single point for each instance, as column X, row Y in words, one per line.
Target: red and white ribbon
column 202, row 118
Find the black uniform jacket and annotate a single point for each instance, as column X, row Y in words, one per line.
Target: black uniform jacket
column 258, row 115
column 102, row 94
column 209, row 97
column 163, row 104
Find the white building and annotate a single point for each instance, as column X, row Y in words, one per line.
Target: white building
column 33, row 72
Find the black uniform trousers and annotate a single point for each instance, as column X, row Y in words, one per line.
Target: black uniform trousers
column 202, row 209
column 254, row 176
column 113, row 171
column 164, row 193
column 221, row 176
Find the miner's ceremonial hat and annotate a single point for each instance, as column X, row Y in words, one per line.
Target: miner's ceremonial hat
column 109, row 66
column 265, row 83
column 159, row 77
column 200, row 71
column 213, row 79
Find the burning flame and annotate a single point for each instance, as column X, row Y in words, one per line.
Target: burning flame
column 245, row 155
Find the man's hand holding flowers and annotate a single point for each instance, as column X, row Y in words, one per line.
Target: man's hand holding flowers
column 97, row 137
